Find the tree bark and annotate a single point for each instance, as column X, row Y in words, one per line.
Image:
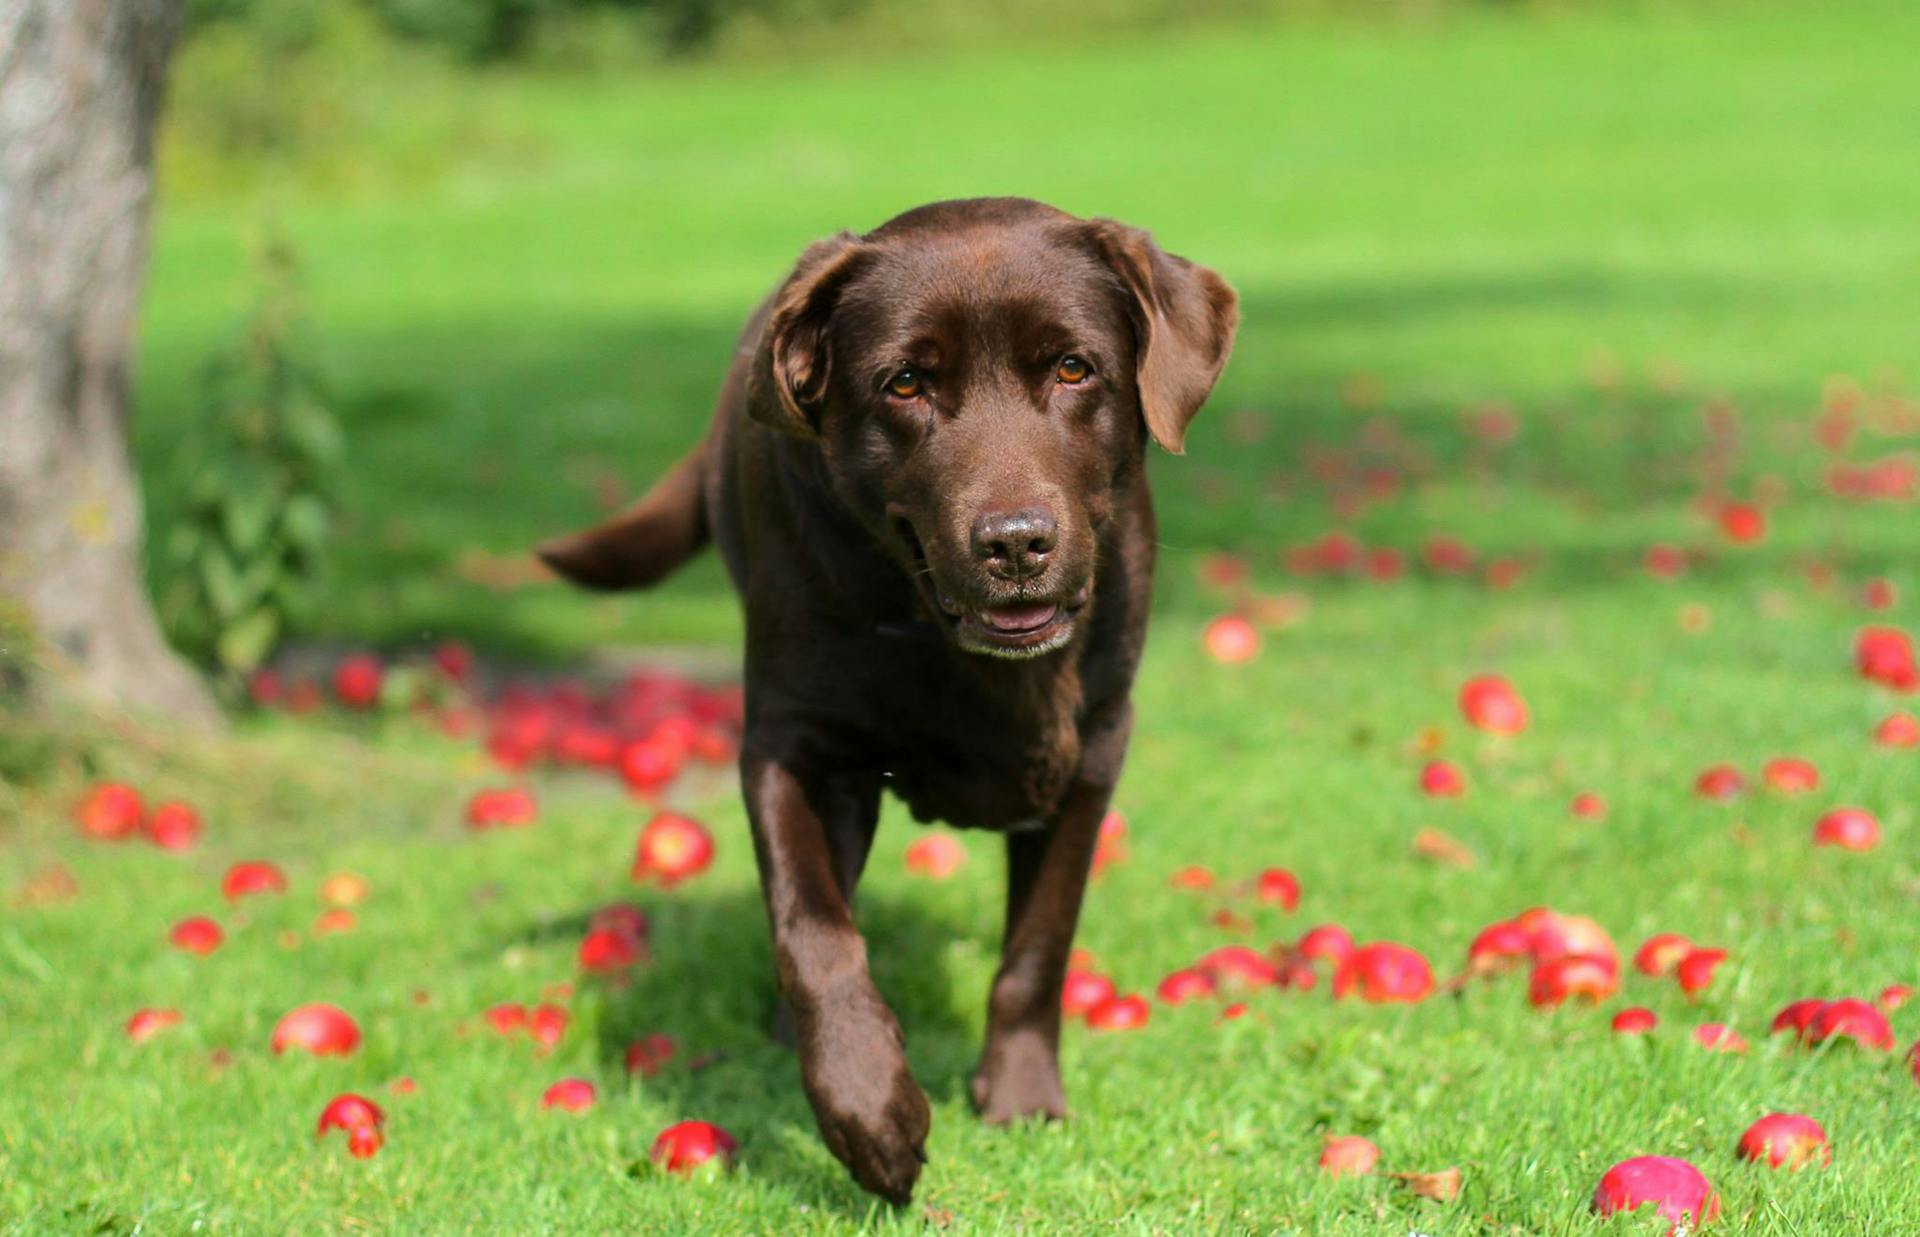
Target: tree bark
column 81, row 83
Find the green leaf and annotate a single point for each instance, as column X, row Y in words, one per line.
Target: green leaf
column 247, row 516
column 222, row 582
column 305, row 521
column 245, row 644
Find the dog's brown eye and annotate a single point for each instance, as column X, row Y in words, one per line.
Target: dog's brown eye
column 904, row 385
column 1072, row 371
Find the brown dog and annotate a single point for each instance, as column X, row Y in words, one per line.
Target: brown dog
column 926, row 473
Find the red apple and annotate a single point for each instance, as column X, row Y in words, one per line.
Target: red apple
column 1490, row 703
column 1786, row 1140
column 1112, row 846
column 509, row 807
column 1898, row 730
column 1236, row 1010
column 323, row 1030
column 1278, row 887
column 1082, row 991
column 1789, row 775
column 110, row 812
column 1660, row 953
column 454, row 659
column 1348, row 1155
column 608, row 950
column 546, row 1024
column 1859, row 1021
column 1893, row 996
column 1696, row 970
column 357, row 681
column 1329, row 942
column 650, row 1054
column 1720, row 782
column 403, row 1085
column 1231, row 639
column 1183, row 986
column 1503, row 946
column 173, row 826
column 648, row 764
column 343, row 889
column 1797, row 1018
column 1120, row 1013
column 1885, row 655
column 1674, row 1187
column 569, row 1095
column 1384, row 972
column 1192, row 877
column 1635, row 1020
column 1719, row 1037
column 1556, row 935
column 936, row 856
column 1442, row 779
column 1572, row 977
column 1743, row 523
column 1238, row 967
column 333, row 920
column 507, row 1018
column 196, row 935
column 252, row 877
column 147, row 1023
column 622, row 917
column 1589, row 806
column 1879, row 594
column 687, row 1146
column 349, row 1112
column 1849, row 828
column 672, row 848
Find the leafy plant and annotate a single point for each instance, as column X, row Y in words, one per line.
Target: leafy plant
column 247, row 553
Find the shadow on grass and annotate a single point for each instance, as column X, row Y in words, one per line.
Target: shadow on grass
column 710, row 987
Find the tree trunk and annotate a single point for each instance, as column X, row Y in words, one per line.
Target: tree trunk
column 80, row 89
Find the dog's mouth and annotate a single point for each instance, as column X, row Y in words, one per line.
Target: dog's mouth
column 1020, row 625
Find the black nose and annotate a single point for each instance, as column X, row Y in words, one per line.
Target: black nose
column 1015, row 544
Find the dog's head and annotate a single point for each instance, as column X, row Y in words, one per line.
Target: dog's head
column 981, row 378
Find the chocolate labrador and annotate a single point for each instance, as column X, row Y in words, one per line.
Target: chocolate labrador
column 926, row 473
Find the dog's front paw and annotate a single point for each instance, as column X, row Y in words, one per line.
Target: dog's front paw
column 872, row 1114
column 1019, row 1076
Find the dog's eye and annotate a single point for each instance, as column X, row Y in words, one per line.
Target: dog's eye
column 904, row 385
column 1072, row 371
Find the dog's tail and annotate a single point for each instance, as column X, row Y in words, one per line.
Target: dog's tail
column 645, row 543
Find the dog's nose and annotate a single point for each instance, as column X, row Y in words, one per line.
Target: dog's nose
column 1015, row 544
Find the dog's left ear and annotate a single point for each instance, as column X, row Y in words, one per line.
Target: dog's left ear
column 1184, row 319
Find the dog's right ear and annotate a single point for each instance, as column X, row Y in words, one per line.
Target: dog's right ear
column 788, row 381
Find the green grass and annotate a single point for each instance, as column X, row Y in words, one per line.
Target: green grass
column 1485, row 209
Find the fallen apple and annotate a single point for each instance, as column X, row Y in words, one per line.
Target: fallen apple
column 109, row 812
column 1348, row 1155
column 1557, row 935
column 1893, row 996
column 689, row 1145
column 1885, row 656
column 1384, row 972
column 1789, row 775
column 1183, row 986
column 1499, row 947
column 334, row 919
column 1785, row 1140
column 1696, row 970
column 252, row 877
column 1082, row 991
column 1743, row 523
column 1797, row 1018
column 1678, row 1190
column 1589, row 806
column 357, row 681
column 1490, row 703
column 1120, row 1013
column 547, row 1024
column 1192, row 877
column 649, row 764
column 173, row 826
column 650, row 1054
column 1329, row 942
column 1660, row 953
column 1635, row 1020
column 1231, row 640
column 1442, row 779
column 147, row 1023
column 1850, row 1018
column 1236, row 967
column 196, row 935
column 1572, row 977
column 507, row 807
column 608, row 951
column 507, row 1018
column 1720, row 782
column 1849, row 828
column 672, row 848
column 343, row 889
column 1898, row 730
column 323, row 1030
column 936, row 856
column 349, row 1112
column 1278, row 887
column 1719, row 1037
column 569, row 1095
column 1112, row 845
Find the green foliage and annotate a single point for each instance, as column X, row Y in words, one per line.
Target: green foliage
column 248, row 547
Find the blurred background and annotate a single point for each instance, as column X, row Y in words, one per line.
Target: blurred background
column 510, row 242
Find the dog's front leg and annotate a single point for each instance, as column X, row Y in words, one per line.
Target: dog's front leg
column 1019, row 1074
column 871, row 1113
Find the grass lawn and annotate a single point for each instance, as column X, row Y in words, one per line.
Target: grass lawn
column 1605, row 224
